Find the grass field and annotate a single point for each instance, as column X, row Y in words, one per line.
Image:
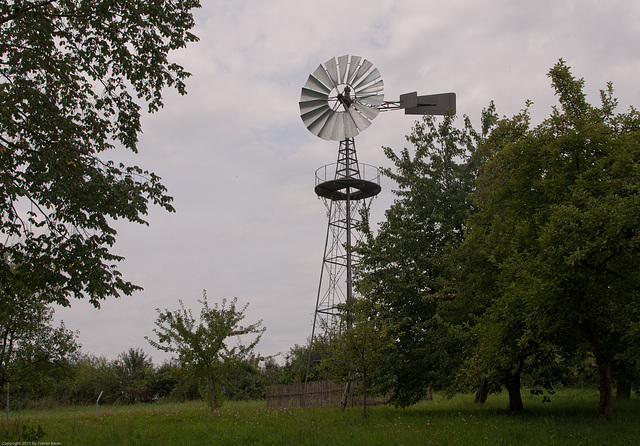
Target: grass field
column 569, row 419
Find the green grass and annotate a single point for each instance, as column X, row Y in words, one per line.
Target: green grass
column 570, row 419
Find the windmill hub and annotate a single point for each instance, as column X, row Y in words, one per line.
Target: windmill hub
column 344, row 98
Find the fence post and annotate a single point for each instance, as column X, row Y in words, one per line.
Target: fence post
column 98, row 401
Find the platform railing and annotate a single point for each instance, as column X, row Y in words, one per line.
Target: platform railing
column 328, row 173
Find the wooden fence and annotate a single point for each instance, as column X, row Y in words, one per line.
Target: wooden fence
column 316, row 394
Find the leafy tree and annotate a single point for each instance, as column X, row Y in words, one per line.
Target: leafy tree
column 294, row 369
column 204, row 345
column 558, row 229
column 91, row 375
column 490, row 317
column 361, row 343
column 404, row 267
column 135, row 372
column 247, row 381
column 32, row 350
column 165, row 379
column 73, row 74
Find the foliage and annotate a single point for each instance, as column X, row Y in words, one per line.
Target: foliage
column 132, row 378
column 134, row 370
column 294, row 368
column 90, row 376
column 33, row 352
column 556, row 237
column 205, row 346
column 247, row 382
column 403, row 268
column 358, row 347
column 72, row 76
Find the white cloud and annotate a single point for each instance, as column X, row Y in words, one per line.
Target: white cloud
column 240, row 164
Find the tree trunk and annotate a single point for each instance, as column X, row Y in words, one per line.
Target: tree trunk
column 429, row 393
column 209, row 390
column 605, row 408
column 364, row 393
column 482, row 392
column 216, row 404
column 512, row 384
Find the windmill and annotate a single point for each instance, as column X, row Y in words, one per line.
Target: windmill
column 339, row 100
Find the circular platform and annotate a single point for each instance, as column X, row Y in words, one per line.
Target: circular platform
column 330, row 185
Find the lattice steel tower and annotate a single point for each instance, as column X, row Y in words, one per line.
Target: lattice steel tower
column 346, row 188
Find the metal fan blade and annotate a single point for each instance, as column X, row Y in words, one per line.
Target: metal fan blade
column 343, row 62
column 350, row 128
column 372, row 99
column 311, row 116
column 360, row 121
column 315, row 84
column 338, row 128
column 332, row 69
column 308, row 106
column 316, row 126
column 362, row 71
column 373, row 88
column 327, row 128
column 323, row 77
column 374, row 75
column 353, row 66
column 312, row 95
column 369, row 112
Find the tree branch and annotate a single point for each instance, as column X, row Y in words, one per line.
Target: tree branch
column 21, row 12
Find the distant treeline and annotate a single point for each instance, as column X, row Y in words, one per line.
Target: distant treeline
column 133, row 378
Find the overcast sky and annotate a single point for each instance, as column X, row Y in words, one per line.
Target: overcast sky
column 240, row 163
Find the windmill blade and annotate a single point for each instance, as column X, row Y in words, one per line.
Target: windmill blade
column 350, row 128
column 360, row 121
column 328, row 127
column 372, row 99
column 315, row 84
column 374, row 75
column 311, row 116
column 307, row 106
column 362, row 71
column 374, row 88
column 312, row 95
column 343, row 62
column 332, row 69
column 323, row 77
column 316, row 126
column 338, row 133
column 353, row 66
column 369, row 112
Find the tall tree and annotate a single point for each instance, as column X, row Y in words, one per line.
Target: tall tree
column 490, row 317
column 558, row 226
column 403, row 267
column 73, row 74
column 205, row 345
